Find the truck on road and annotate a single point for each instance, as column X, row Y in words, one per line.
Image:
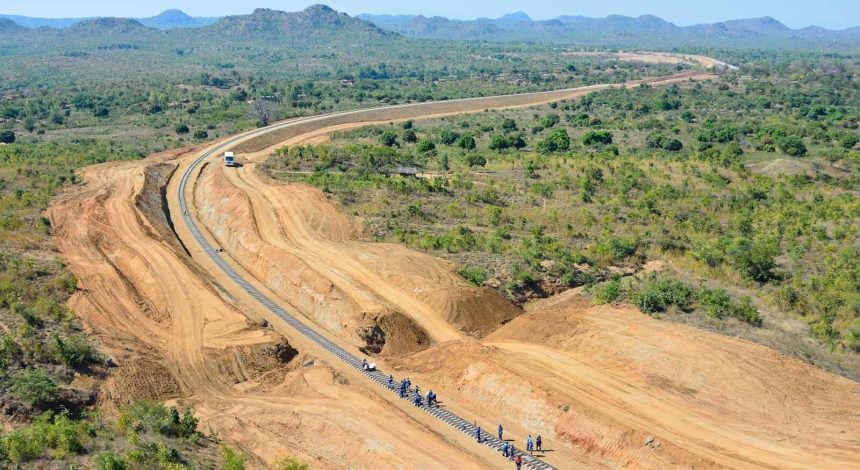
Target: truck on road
column 229, row 159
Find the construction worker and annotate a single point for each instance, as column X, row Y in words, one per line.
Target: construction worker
column 512, row 452
column 478, row 433
column 417, row 400
column 390, row 381
column 501, row 430
column 519, row 462
column 505, row 449
column 539, row 443
column 431, row 397
column 530, row 444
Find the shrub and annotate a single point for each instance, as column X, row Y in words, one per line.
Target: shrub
column 791, row 145
column 109, row 461
column 388, row 138
column 607, row 292
column 409, row 136
column 847, row 140
column 291, row 464
column 476, row 275
column 592, row 138
column 7, row 137
column 657, row 140
column 426, row 145
column 448, row 137
column 660, row 294
column 509, row 125
column 181, row 128
column 408, row 124
column 74, row 351
column 499, row 142
column 556, row 141
column 467, row 142
column 551, row 120
column 754, row 260
column 201, row 134
column 231, row 460
column 475, row 159
column 35, row 386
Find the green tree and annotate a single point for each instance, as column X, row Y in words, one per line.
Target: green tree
column 754, row 260
column 792, row 145
column 7, row 137
column 467, row 142
column 409, row 136
column 592, row 138
column 425, row 145
column 509, row 125
column 201, row 134
column 388, row 138
column 498, row 142
column 448, row 137
column 556, row 141
column 181, row 128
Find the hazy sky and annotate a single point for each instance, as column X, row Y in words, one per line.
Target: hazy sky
column 794, row 13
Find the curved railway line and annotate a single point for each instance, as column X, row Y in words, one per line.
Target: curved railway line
column 297, row 127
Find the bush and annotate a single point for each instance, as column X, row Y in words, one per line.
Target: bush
column 847, row 141
column 426, row 145
column 657, row 140
column 754, row 260
column 660, row 294
column 551, row 120
column 409, row 136
column 556, row 141
column 467, row 142
column 291, row 464
column 231, row 460
column 607, row 292
column 35, row 386
column 476, row 275
column 475, row 159
column 74, row 351
column 592, row 138
column 499, row 142
column 792, row 146
column 388, row 138
column 448, row 137
column 109, row 461
column 7, row 137
column 201, row 134
column 181, row 128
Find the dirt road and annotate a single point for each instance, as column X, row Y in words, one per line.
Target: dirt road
column 606, row 387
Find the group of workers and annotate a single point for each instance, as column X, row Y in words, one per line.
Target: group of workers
column 508, row 450
column 406, row 388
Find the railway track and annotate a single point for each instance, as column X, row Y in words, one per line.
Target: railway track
column 439, row 412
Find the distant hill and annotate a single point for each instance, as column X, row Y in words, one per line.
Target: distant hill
column 169, row 19
column 303, row 26
column 105, row 26
column 618, row 30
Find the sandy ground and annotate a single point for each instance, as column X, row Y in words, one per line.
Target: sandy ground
column 655, row 58
column 606, row 386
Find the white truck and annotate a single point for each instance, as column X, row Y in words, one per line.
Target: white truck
column 229, row 159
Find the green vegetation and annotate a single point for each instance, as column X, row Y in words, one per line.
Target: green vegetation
column 145, row 435
column 746, row 187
